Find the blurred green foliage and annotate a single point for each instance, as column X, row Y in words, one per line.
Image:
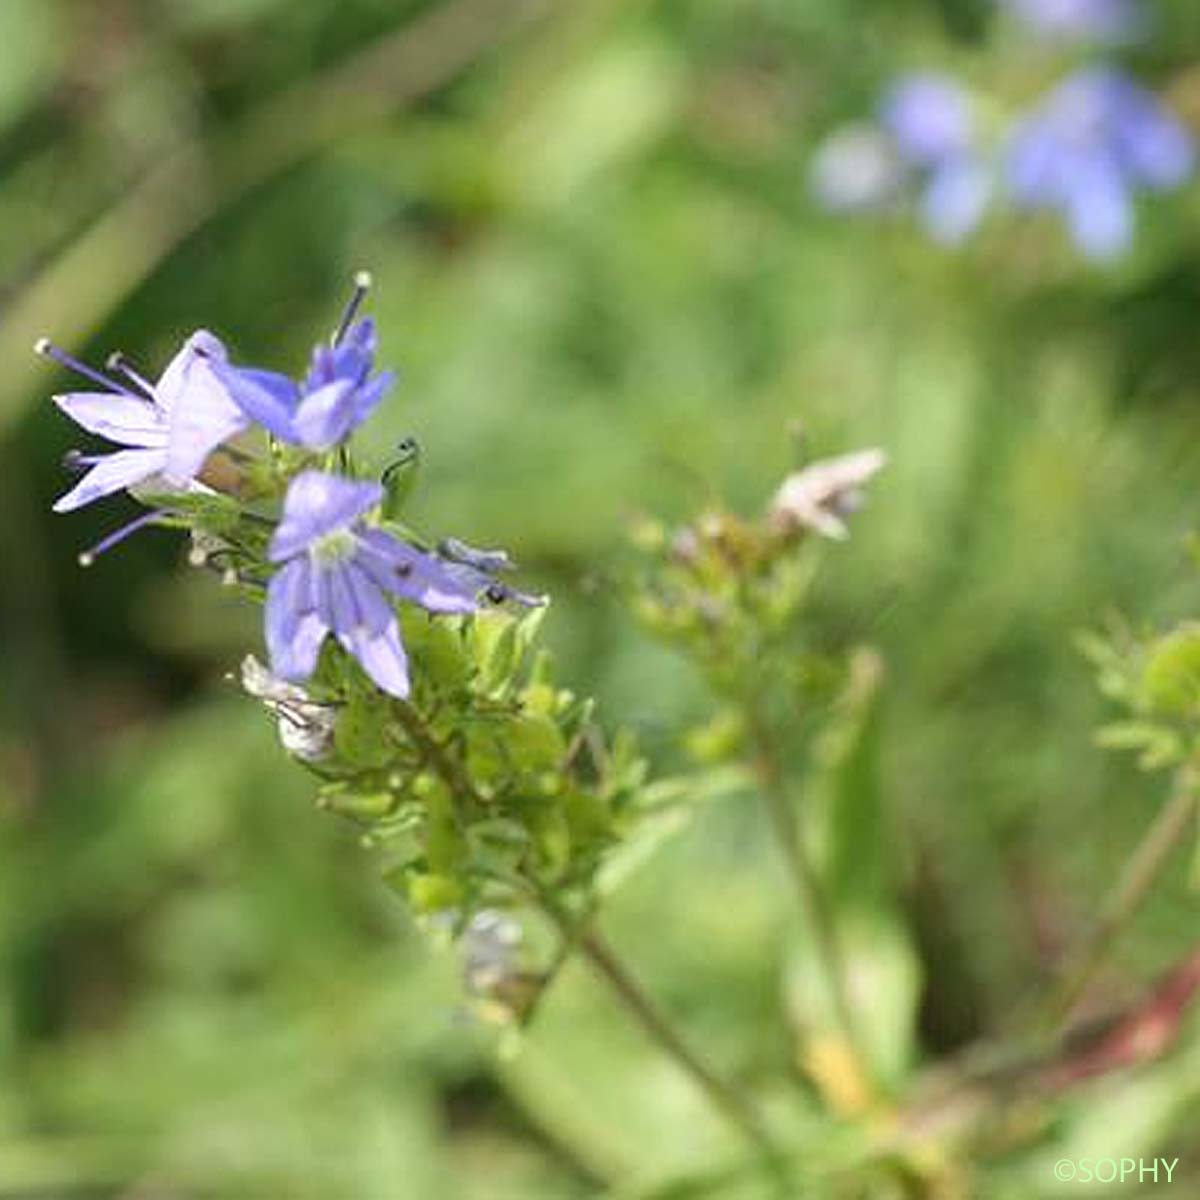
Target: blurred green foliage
column 607, row 289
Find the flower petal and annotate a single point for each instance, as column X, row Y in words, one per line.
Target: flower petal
column 351, row 359
column 202, row 345
column 203, row 416
column 324, row 417
column 930, row 117
column 368, row 396
column 382, row 656
column 111, row 474
column 370, row 603
column 266, row 397
column 1098, row 208
column 1032, row 165
column 1155, row 147
column 955, row 199
column 123, row 419
column 289, row 598
column 316, row 504
column 294, row 632
column 416, row 576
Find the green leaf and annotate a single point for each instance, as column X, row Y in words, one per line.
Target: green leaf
column 852, row 827
column 360, row 734
column 1160, row 746
column 431, row 892
column 534, row 742
column 718, row 739
column 1170, row 682
column 496, row 647
column 435, row 647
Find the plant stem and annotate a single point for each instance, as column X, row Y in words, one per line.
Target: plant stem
column 452, row 773
column 1142, row 870
column 723, row 1094
column 804, row 876
column 606, row 963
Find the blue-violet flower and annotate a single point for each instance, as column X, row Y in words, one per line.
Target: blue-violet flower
column 1092, row 144
column 338, row 393
column 337, row 574
column 930, row 120
column 168, row 428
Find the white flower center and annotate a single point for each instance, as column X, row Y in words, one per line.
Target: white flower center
column 334, row 548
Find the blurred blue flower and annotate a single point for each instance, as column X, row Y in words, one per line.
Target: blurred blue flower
column 925, row 132
column 168, row 428
column 336, row 577
column 1088, row 148
column 930, row 119
column 336, row 395
column 1080, row 20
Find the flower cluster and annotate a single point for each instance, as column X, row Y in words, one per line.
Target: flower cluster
column 1083, row 151
column 403, row 674
column 331, row 565
column 1095, row 141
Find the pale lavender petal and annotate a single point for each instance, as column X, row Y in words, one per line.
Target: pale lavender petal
column 316, row 504
column 351, row 359
column 201, row 346
column 1153, row 145
column 321, row 594
column 123, row 419
column 289, row 597
column 203, row 416
column 414, row 575
column 266, row 397
column 111, row 474
column 929, row 116
column 354, row 600
column 382, row 656
column 368, row 396
column 343, row 602
column 324, row 417
column 294, row 632
column 361, row 339
column 1032, row 164
column 370, row 605
column 1099, row 209
column 296, row 659
column 955, row 199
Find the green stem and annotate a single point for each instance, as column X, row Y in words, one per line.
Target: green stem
column 724, row 1096
column 1141, row 872
column 806, row 881
column 605, row 961
column 451, row 771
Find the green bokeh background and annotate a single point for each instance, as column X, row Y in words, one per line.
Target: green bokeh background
column 608, row 290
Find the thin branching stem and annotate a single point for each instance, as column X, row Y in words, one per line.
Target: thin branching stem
column 1143, row 869
column 604, row 960
column 724, row 1096
column 813, row 901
